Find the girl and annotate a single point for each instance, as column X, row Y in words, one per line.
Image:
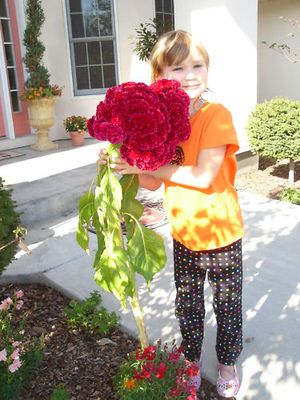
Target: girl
column 203, row 210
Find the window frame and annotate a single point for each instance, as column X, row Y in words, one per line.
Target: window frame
column 163, row 13
column 96, row 91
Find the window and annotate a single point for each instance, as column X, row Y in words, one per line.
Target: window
column 164, row 15
column 93, row 45
column 11, row 67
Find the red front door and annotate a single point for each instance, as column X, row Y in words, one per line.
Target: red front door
column 10, row 40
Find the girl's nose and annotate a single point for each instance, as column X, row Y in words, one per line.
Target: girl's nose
column 190, row 74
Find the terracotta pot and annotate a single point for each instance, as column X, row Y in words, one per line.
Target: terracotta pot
column 41, row 117
column 77, row 138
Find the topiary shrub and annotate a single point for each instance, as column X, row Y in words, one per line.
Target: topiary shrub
column 274, row 131
column 9, row 220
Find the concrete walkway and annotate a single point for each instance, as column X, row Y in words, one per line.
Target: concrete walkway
column 270, row 363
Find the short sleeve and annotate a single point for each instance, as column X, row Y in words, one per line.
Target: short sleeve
column 219, row 131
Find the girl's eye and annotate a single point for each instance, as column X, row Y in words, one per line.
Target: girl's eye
column 198, row 66
column 176, row 69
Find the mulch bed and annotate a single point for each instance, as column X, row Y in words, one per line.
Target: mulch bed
column 77, row 359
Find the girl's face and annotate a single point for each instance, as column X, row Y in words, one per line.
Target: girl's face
column 191, row 73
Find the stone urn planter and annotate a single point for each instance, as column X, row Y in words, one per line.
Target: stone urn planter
column 77, row 138
column 41, row 117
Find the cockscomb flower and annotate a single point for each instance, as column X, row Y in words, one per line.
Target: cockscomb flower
column 147, row 121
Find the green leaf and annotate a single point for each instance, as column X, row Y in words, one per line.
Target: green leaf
column 147, row 252
column 113, row 275
column 86, row 211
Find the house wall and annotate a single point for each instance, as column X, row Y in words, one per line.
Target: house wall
column 276, row 75
column 129, row 14
column 228, row 30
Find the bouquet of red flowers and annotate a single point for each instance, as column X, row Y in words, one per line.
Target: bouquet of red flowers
column 149, row 121
column 145, row 123
column 156, row 373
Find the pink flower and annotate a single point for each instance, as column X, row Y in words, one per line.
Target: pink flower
column 16, row 343
column 19, row 304
column 5, row 304
column 16, row 354
column 19, row 294
column 3, row 355
column 15, row 365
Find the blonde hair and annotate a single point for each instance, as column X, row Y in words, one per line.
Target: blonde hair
column 171, row 49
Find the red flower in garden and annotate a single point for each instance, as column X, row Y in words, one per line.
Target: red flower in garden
column 149, row 121
column 162, row 368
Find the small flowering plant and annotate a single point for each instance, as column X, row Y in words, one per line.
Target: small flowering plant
column 34, row 93
column 156, row 373
column 75, row 123
column 17, row 357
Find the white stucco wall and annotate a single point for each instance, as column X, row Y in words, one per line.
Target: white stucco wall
column 228, row 30
column 276, row 75
column 129, row 14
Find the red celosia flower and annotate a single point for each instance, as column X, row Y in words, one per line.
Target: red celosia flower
column 192, row 370
column 162, row 368
column 149, row 121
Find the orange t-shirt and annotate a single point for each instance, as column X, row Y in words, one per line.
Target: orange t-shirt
column 207, row 219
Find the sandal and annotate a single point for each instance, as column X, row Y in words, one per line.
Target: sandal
column 228, row 388
column 195, row 373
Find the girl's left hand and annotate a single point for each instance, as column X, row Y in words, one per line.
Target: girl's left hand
column 120, row 166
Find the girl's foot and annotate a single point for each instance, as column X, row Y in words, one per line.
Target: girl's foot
column 228, row 382
column 194, row 368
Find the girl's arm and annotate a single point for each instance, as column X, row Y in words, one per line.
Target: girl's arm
column 200, row 176
column 149, row 182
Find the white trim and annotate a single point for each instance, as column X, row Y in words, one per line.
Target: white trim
column 6, row 104
column 117, row 52
column 70, row 75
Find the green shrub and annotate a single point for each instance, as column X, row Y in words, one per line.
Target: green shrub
column 291, row 195
column 274, row 129
column 89, row 315
column 9, row 220
column 60, row 393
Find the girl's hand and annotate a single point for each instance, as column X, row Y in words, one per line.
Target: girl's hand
column 103, row 157
column 116, row 163
column 120, row 166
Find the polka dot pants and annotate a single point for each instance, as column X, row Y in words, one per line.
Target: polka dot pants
column 224, row 270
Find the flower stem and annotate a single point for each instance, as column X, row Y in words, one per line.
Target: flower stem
column 139, row 318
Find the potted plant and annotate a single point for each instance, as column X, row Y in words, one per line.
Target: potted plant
column 76, row 126
column 39, row 93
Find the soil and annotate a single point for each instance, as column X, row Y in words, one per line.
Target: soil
column 80, row 360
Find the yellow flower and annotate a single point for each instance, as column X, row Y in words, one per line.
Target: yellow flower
column 129, row 384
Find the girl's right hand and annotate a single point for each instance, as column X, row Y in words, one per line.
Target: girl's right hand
column 103, row 157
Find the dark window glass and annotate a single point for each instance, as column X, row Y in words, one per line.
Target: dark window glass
column 91, row 25
column 168, row 22
column 75, row 5
column 158, row 5
column 104, row 5
column 94, row 53
column 77, row 25
column 109, row 75
column 12, row 78
column 5, row 30
column 96, row 77
column 105, row 23
column 82, row 76
column 15, row 101
column 160, row 23
column 168, row 6
column 9, row 55
column 3, row 11
column 108, row 52
column 80, row 54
